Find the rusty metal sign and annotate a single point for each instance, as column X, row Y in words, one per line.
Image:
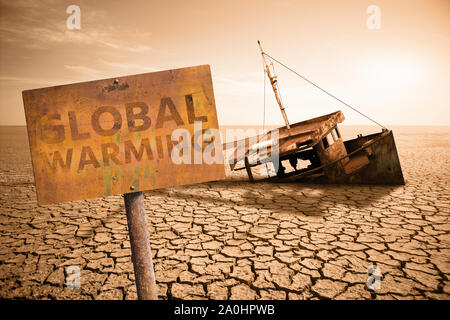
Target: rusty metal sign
column 115, row 136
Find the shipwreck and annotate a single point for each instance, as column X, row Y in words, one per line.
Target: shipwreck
column 324, row 155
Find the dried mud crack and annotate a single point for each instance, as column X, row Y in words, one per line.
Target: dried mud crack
column 234, row 239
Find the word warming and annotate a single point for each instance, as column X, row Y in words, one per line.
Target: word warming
column 117, row 136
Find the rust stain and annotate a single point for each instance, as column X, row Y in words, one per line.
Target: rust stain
column 113, row 87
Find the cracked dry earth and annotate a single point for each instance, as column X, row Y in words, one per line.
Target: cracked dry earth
column 236, row 240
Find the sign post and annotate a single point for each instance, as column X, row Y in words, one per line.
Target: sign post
column 123, row 136
column 141, row 253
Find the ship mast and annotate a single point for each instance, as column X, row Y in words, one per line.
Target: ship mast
column 273, row 82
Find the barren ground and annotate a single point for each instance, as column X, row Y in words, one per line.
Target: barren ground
column 237, row 240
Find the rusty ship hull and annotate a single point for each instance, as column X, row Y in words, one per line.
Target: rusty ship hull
column 370, row 159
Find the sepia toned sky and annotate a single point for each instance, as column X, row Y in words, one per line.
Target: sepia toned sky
column 398, row 74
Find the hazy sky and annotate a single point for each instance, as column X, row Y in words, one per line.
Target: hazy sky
column 398, row 74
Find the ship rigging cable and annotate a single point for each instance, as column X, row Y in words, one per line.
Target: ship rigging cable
column 323, row 90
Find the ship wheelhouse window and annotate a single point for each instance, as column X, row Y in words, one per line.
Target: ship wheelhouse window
column 325, row 142
column 337, row 132
column 328, row 140
column 333, row 133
